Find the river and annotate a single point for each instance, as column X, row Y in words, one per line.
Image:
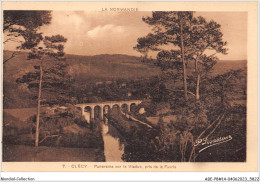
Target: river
column 113, row 143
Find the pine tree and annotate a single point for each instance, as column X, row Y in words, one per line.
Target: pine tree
column 206, row 41
column 50, row 77
column 170, row 28
column 181, row 38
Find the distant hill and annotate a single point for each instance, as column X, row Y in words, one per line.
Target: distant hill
column 87, row 69
column 226, row 65
column 103, row 67
column 108, row 67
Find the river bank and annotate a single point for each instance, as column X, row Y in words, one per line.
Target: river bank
column 113, row 145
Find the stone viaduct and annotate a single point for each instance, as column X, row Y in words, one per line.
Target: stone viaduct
column 97, row 110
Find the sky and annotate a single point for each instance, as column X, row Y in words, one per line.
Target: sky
column 93, row 33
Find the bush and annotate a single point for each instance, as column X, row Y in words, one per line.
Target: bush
column 168, row 142
column 13, row 129
column 122, row 124
column 71, row 129
column 64, row 127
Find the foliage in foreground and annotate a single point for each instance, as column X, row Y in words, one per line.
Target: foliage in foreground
column 174, row 141
column 59, row 127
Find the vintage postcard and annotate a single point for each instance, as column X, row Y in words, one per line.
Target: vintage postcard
column 129, row 86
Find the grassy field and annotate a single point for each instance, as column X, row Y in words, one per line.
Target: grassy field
column 21, row 113
column 50, row 154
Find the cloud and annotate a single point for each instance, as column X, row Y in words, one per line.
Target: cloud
column 67, row 18
column 105, row 30
column 65, row 23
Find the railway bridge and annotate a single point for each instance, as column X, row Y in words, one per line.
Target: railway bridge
column 98, row 109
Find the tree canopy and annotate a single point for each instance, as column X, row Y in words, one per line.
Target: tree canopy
column 22, row 27
column 174, row 32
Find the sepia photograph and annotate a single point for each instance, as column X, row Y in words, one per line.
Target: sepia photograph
column 124, row 85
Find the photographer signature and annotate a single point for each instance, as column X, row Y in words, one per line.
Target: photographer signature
column 212, row 142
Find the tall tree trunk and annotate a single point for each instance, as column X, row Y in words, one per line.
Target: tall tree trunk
column 38, row 110
column 222, row 94
column 198, row 81
column 198, row 88
column 182, row 57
